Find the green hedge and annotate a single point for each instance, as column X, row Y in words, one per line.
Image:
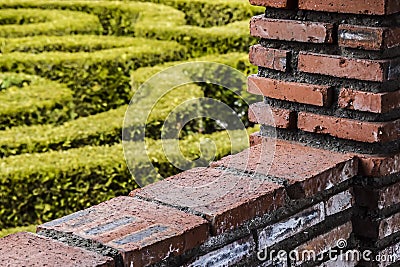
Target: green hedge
column 29, row 100
column 160, row 22
column 5, row 232
column 71, row 44
column 99, row 80
column 100, row 129
column 29, row 22
column 39, row 187
column 105, row 128
column 209, row 13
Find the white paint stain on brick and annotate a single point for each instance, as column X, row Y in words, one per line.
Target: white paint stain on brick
column 339, row 203
column 228, row 255
column 279, row 231
column 279, row 262
column 389, row 255
column 339, row 263
column 389, row 226
column 355, row 36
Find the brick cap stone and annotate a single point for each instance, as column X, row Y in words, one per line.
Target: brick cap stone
column 226, row 199
column 305, row 170
column 142, row 232
column 27, row 249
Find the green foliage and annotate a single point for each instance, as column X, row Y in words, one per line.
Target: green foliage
column 29, row 22
column 45, row 186
column 28, row 100
column 5, row 232
column 92, row 76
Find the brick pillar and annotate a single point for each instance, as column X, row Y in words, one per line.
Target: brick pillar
column 330, row 72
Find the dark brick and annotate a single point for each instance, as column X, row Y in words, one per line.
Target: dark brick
column 141, row 231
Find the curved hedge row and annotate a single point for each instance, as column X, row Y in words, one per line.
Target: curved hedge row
column 105, row 128
column 31, row 22
column 92, row 75
column 28, row 100
column 157, row 21
column 78, row 178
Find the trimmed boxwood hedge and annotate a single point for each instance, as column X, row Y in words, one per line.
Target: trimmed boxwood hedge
column 29, row 22
column 29, row 100
column 69, row 43
column 92, row 76
column 105, row 128
column 208, row 13
column 41, row 187
column 156, row 21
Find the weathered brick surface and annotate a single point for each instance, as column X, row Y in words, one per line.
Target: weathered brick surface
column 373, row 7
column 389, row 226
column 227, row 200
column 324, row 242
column 307, row 170
column 295, row 224
column 379, row 166
column 368, row 38
column 261, row 113
column 317, row 95
column 291, row 30
column 339, row 202
column 369, row 102
column 27, row 249
column 346, row 67
column 391, row 256
column 256, row 139
column 275, row 3
column 269, row 57
column 368, row 132
column 228, row 255
column 141, row 231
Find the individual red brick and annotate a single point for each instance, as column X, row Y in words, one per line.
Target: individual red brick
column 392, row 38
column 227, row 200
column 368, row 38
column 324, row 242
column 306, row 170
column 389, row 196
column 268, row 57
column 345, row 67
column 27, row 249
column 372, row 7
column 304, row 93
column 378, row 166
column 142, row 232
column 362, row 131
column 262, row 113
column 369, row 102
column 339, row 202
column 389, row 226
column 275, row 3
column 291, row 30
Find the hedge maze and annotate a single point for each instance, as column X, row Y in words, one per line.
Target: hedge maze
column 68, row 71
